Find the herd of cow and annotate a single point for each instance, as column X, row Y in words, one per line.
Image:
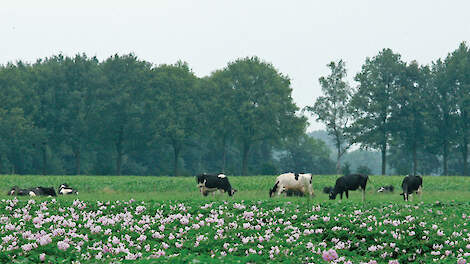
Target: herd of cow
column 42, row 191
column 291, row 184
column 300, row 184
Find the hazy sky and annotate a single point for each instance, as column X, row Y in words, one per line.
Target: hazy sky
column 298, row 37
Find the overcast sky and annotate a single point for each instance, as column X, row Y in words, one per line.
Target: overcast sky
column 298, row 37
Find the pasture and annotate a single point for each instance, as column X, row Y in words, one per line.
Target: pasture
column 124, row 219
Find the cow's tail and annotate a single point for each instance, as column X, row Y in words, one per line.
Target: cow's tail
column 274, row 189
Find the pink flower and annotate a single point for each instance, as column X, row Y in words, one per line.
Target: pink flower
column 42, row 256
column 62, row 245
column 330, row 255
column 461, row 261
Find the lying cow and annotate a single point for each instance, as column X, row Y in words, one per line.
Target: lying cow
column 293, row 182
column 15, row 190
column 208, row 183
column 386, row 189
column 410, row 184
column 349, row 182
column 65, row 189
column 36, row 191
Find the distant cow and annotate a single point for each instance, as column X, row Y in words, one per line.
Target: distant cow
column 36, row 191
column 44, row 191
column 349, row 182
column 65, row 189
column 15, row 190
column 410, row 184
column 208, row 183
column 386, row 189
column 289, row 182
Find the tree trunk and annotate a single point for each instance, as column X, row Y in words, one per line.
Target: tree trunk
column 338, row 165
column 118, row 159
column 44, row 159
column 415, row 159
column 246, row 149
column 465, row 156
column 445, row 152
column 119, row 151
column 76, row 153
column 176, row 153
column 224, row 153
column 384, row 157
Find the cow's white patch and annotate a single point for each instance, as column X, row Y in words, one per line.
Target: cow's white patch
column 66, row 191
column 31, row 193
column 221, row 175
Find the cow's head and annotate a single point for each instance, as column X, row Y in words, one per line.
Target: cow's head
column 381, row 189
column 232, row 192
column 332, row 195
column 13, row 191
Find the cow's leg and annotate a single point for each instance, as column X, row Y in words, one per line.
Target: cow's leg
column 341, row 195
column 347, row 194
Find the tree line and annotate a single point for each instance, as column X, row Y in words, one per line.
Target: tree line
column 123, row 115
column 416, row 115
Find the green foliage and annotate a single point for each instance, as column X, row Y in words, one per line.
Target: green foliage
column 363, row 169
column 373, row 102
column 332, row 109
column 346, row 168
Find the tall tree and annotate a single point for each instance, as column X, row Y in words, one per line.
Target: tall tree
column 408, row 112
column 379, row 80
column 221, row 114
column 332, row 109
column 121, row 103
column 458, row 64
column 82, row 80
column 264, row 106
column 174, row 100
column 441, row 109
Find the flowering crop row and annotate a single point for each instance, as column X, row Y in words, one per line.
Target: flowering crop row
column 77, row 231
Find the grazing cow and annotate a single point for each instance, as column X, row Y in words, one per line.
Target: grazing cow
column 208, row 183
column 65, row 189
column 327, row 189
column 386, row 189
column 36, row 191
column 347, row 183
column 293, row 182
column 410, row 184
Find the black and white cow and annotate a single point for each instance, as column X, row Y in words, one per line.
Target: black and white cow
column 65, row 189
column 208, row 183
column 44, row 191
column 410, row 184
column 290, row 182
column 386, row 189
column 36, row 191
column 349, row 182
column 15, row 190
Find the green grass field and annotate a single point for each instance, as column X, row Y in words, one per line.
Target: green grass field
column 249, row 187
column 130, row 219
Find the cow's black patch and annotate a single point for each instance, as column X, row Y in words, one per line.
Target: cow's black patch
column 296, row 176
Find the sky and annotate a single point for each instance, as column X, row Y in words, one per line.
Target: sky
column 298, row 37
